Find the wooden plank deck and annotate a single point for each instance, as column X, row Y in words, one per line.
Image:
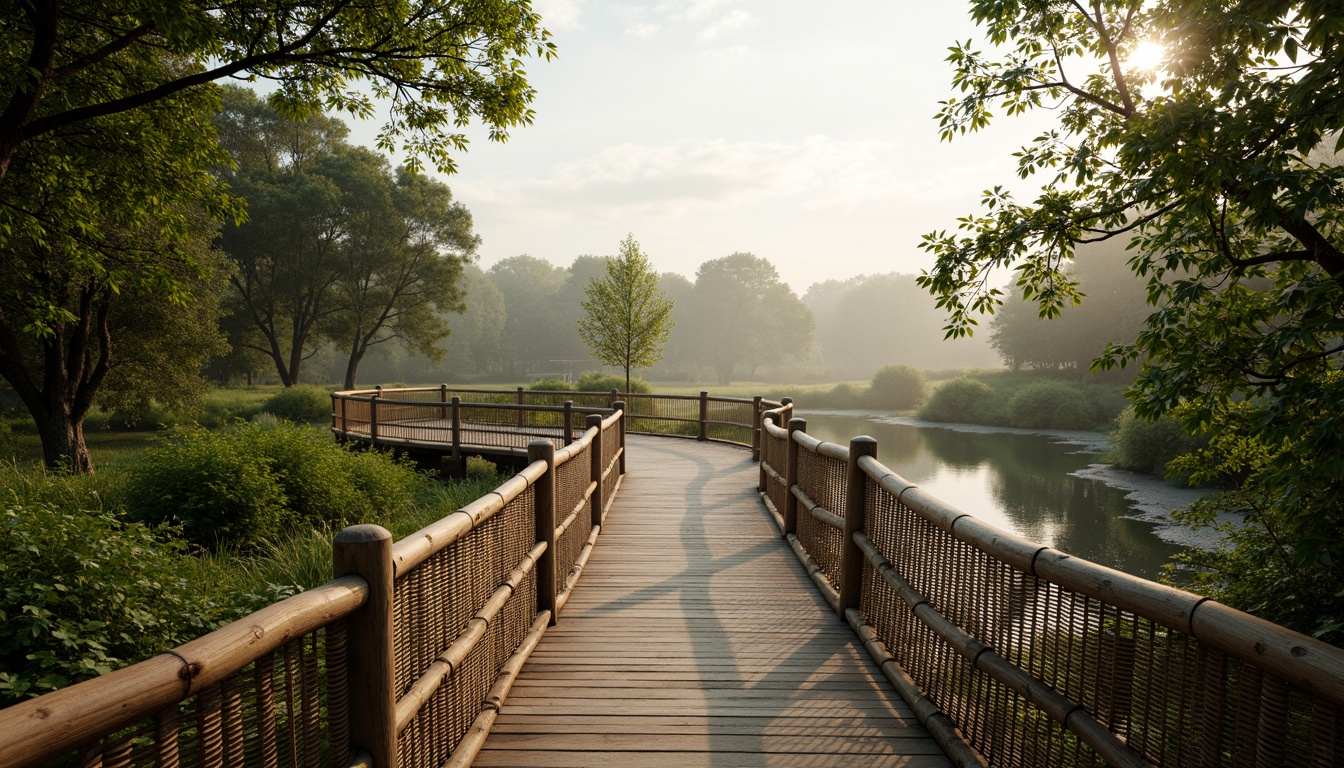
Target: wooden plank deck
column 694, row 638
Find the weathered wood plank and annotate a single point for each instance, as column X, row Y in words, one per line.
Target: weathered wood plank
column 696, row 639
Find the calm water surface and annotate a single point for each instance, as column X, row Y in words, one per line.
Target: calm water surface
column 1020, row 483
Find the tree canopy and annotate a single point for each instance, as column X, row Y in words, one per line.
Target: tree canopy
column 339, row 247
column 627, row 318
column 743, row 314
column 1219, row 167
column 106, row 149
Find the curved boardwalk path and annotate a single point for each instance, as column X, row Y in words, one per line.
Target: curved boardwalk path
column 694, row 638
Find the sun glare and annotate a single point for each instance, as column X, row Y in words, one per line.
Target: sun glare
column 1147, row 56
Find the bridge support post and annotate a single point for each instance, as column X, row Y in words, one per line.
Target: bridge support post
column 569, row 422
column 756, row 430
column 457, row 428
column 544, row 496
column 851, row 557
column 704, row 417
column 373, row 419
column 790, row 510
column 443, row 398
column 598, row 503
column 619, row 405
column 366, row 551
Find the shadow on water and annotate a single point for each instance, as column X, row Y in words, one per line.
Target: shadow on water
column 1019, row 482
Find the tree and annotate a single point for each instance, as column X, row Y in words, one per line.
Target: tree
column 474, row 346
column 533, row 329
column 96, row 221
column 627, row 319
column 1113, row 313
column 288, row 256
column 105, row 147
column 401, row 265
column 338, row 246
column 1218, row 166
column 869, row 321
column 743, row 314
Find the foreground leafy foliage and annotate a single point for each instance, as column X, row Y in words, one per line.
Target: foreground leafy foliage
column 1221, row 168
column 86, row 592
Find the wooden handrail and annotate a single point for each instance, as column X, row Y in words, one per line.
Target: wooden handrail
column 1297, row 662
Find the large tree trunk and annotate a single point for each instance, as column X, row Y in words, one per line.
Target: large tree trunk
column 357, row 351
column 58, row 386
column 63, row 443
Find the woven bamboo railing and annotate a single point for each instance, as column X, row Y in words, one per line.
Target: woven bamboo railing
column 438, row 416
column 401, row 660
column 1014, row 654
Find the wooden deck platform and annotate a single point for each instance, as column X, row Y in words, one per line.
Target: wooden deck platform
column 694, row 638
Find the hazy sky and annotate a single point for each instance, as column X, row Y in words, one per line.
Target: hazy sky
column 802, row 132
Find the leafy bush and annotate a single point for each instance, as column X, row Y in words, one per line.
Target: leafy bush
column 959, row 400
column 241, row 488
column 551, row 385
column 896, row 388
column 301, row 404
column 1149, row 446
column 1051, row 405
column 85, row 593
column 217, row 493
column 596, row 381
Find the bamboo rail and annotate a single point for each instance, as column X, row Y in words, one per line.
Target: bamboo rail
column 403, row 659
column 1018, row 654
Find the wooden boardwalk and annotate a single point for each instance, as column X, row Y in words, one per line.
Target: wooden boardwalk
column 694, row 638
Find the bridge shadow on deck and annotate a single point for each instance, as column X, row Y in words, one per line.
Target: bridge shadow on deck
column 694, row 638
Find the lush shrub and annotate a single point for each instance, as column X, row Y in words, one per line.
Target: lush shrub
column 245, row 487
column 85, row 593
column 1148, row 446
column 957, row 401
column 551, row 385
column 202, row 482
column 596, row 381
column 896, row 388
column 1051, row 405
column 301, row 404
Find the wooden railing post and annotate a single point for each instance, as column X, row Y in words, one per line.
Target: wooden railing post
column 520, row 410
column 569, row 422
column 457, row 428
column 619, row 405
column 851, row 557
column 366, row 551
column 544, row 496
column 704, row 416
column 611, row 397
column 598, row 502
column 443, row 398
column 790, row 510
column 756, row 429
column 373, row 418
column 336, row 426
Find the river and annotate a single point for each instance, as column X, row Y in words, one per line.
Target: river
column 1046, row 487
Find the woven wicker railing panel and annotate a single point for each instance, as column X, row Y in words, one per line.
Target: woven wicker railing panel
column 419, row 423
column 571, row 483
column 823, row 480
column 1173, row 699
column 662, row 416
column 611, row 447
column 287, row 709
column 774, row 453
column 435, row 600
